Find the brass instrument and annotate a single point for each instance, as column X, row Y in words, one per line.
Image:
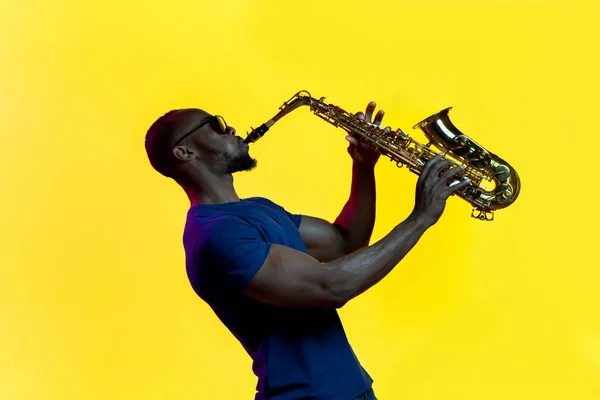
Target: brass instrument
column 481, row 166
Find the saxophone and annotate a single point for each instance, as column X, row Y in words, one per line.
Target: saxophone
column 481, row 166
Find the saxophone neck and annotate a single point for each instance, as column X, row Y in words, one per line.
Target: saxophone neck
column 302, row 98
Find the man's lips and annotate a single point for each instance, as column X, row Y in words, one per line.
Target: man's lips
column 242, row 143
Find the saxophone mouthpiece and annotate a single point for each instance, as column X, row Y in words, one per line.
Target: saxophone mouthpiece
column 257, row 133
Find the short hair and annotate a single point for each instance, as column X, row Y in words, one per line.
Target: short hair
column 158, row 142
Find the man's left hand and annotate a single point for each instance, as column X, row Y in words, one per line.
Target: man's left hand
column 361, row 152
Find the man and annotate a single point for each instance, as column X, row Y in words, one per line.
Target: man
column 275, row 279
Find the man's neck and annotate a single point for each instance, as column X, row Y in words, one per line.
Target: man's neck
column 213, row 191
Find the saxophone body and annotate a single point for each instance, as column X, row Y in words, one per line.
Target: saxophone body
column 482, row 167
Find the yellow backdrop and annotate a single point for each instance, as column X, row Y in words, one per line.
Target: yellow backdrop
column 95, row 303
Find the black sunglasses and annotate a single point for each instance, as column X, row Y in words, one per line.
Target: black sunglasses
column 220, row 121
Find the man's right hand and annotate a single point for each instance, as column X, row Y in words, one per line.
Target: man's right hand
column 433, row 188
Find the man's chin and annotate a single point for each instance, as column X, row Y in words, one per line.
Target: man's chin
column 242, row 163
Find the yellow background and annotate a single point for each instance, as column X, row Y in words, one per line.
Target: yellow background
column 95, row 303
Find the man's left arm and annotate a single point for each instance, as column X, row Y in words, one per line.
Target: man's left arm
column 353, row 228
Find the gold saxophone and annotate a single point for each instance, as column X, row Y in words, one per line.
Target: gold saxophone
column 481, row 167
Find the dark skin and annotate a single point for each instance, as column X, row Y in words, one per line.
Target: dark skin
column 202, row 156
column 204, row 177
column 340, row 264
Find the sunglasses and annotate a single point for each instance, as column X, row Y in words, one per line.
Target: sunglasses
column 220, row 123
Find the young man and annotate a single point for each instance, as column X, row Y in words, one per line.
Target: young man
column 276, row 279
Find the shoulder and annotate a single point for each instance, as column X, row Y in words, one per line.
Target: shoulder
column 226, row 238
column 204, row 225
column 263, row 201
column 266, row 203
column 227, row 226
column 279, row 210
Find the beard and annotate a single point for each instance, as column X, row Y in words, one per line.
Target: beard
column 241, row 162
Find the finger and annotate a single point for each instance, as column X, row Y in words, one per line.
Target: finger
column 451, row 173
column 369, row 111
column 439, row 166
column 352, row 140
column 455, row 187
column 378, row 117
column 360, row 115
column 388, row 129
column 365, row 145
column 429, row 164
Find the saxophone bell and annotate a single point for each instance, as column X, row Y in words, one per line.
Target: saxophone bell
column 444, row 135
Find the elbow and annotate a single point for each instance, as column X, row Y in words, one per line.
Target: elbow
column 336, row 294
column 335, row 301
column 339, row 303
column 343, row 244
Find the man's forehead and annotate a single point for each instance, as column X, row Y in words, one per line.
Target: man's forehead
column 186, row 120
column 190, row 117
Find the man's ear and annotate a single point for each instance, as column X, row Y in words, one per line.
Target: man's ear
column 183, row 154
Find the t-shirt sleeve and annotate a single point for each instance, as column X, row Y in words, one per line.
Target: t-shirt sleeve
column 296, row 218
column 230, row 254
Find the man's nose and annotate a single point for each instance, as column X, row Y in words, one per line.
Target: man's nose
column 230, row 130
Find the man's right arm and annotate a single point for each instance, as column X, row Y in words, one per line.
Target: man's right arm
column 289, row 278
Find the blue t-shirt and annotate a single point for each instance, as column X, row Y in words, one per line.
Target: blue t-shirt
column 297, row 353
